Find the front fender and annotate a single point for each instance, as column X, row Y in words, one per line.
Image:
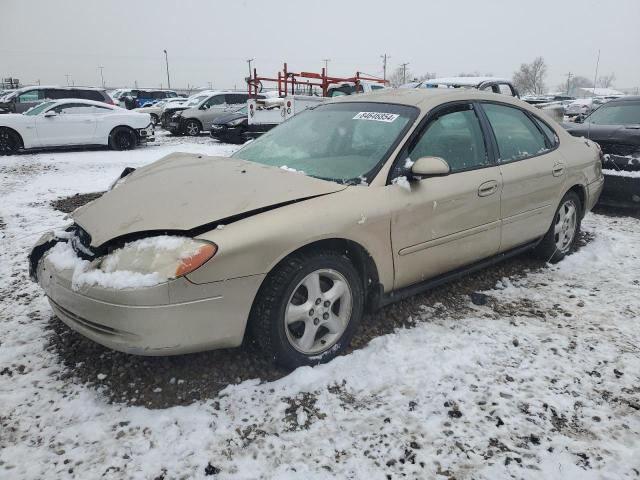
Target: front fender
column 255, row 245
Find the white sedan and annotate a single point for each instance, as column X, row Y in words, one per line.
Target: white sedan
column 73, row 122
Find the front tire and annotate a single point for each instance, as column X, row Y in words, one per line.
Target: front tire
column 122, row 138
column 9, row 142
column 564, row 230
column 308, row 309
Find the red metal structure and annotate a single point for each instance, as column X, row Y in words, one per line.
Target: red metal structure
column 293, row 83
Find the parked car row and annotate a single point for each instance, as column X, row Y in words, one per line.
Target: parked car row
column 23, row 99
column 344, row 208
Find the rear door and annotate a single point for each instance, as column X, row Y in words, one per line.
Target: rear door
column 74, row 124
column 533, row 172
column 442, row 223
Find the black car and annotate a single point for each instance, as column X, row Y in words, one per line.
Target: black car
column 234, row 127
column 615, row 126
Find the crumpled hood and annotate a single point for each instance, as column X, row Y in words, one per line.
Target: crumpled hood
column 184, row 191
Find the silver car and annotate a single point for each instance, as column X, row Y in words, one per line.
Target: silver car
column 200, row 117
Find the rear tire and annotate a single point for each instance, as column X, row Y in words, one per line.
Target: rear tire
column 10, row 142
column 192, row 128
column 564, row 230
column 122, row 138
column 296, row 325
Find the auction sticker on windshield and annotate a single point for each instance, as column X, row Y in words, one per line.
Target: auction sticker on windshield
column 376, row 116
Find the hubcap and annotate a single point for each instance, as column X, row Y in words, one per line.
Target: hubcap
column 318, row 311
column 565, row 225
column 192, row 129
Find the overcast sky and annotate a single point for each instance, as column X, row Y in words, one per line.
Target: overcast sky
column 209, row 41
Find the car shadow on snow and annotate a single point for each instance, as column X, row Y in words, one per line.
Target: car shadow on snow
column 161, row 382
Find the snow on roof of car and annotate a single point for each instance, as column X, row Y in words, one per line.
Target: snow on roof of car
column 421, row 97
column 86, row 102
column 463, row 81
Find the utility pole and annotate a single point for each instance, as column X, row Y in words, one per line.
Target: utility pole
column 404, row 72
column 384, row 58
column 249, row 60
column 326, row 65
column 166, row 59
column 101, row 76
column 67, row 75
column 569, row 75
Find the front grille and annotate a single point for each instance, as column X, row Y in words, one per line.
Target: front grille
column 619, row 149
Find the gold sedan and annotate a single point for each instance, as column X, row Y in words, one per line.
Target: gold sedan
column 346, row 207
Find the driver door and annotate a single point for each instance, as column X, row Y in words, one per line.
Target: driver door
column 73, row 124
column 439, row 224
column 212, row 109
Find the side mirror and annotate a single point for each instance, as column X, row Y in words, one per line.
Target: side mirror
column 429, row 167
column 579, row 118
column 50, row 113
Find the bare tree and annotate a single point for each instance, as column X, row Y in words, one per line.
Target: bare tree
column 530, row 77
column 574, row 83
column 606, row 81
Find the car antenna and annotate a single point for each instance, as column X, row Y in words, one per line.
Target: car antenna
column 593, row 94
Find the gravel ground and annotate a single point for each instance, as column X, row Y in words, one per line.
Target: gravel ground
column 160, row 382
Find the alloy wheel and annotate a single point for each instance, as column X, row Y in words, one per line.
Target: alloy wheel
column 318, row 311
column 123, row 140
column 565, row 225
column 192, row 129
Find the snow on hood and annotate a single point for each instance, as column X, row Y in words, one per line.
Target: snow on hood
column 184, row 191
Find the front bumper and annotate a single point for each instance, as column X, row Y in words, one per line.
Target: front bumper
column 620, row 191
column 146, row 134
column 172, row 318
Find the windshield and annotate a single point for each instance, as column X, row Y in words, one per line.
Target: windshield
column 39, row 108
column 627, row 113
column 242, row 110
column 343, row 142
column 195, row 101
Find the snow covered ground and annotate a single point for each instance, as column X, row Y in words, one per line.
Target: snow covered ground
column 541, row 382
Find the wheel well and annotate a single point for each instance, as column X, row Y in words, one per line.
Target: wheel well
column 194, row 120
column 122, row 126
column 582, row 195
column 16, row 133
column 362, row 260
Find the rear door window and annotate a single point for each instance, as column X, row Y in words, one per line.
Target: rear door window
column 517, row 136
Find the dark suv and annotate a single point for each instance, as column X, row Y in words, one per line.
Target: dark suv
column 24, row 98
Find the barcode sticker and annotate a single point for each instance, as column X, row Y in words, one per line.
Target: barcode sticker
column 376, row 116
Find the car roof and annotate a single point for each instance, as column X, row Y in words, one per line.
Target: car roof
column 43, row 87
column 81, row 100
column 463, row 81
column 427, row 98
column 627, row 98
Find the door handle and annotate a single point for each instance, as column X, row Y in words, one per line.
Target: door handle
column 558, row 169
column 87, row 121
column 488, row 188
